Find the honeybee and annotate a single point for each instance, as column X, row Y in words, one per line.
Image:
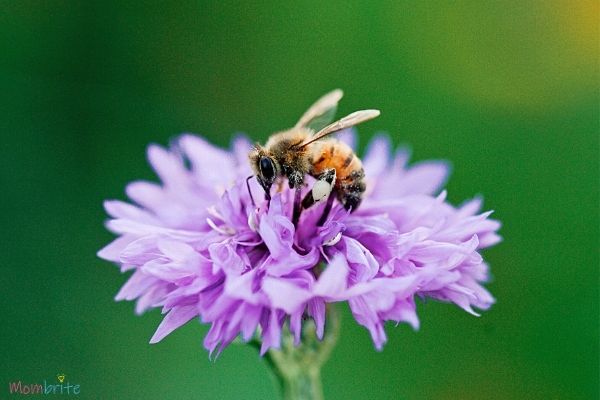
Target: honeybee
column 299, row 151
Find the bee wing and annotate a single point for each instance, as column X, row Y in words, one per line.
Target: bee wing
column 349, row 120
column 322, row 112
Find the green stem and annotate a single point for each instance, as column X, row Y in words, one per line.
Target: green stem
column 298, row 368
column 305, row 385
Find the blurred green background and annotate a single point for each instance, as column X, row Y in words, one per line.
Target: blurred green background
column 508, row 91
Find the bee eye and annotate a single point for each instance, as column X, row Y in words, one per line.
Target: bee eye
column 267, row 168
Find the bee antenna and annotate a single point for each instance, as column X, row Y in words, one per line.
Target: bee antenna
column 250, row 191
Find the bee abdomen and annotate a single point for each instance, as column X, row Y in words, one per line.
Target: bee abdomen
column 350, row 184
column 351, row 189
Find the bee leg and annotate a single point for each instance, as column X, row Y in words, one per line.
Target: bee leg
column 297, row 206
column 321, row 189
column 268, row 198
column 267, row 188
column 296, row 181
column 326, row 211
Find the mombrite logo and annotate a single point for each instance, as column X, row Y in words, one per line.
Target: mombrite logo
column 47, row 388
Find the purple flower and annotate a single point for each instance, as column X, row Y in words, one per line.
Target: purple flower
column 199, row 248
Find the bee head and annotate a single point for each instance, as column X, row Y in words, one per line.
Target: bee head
column 265, row 168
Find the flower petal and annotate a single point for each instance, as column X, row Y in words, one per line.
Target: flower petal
column 173, row 320
column 284, row 295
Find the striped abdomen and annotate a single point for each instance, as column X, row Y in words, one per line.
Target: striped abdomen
column 349, row 184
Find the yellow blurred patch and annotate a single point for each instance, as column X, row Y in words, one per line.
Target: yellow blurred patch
column 528, row 56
